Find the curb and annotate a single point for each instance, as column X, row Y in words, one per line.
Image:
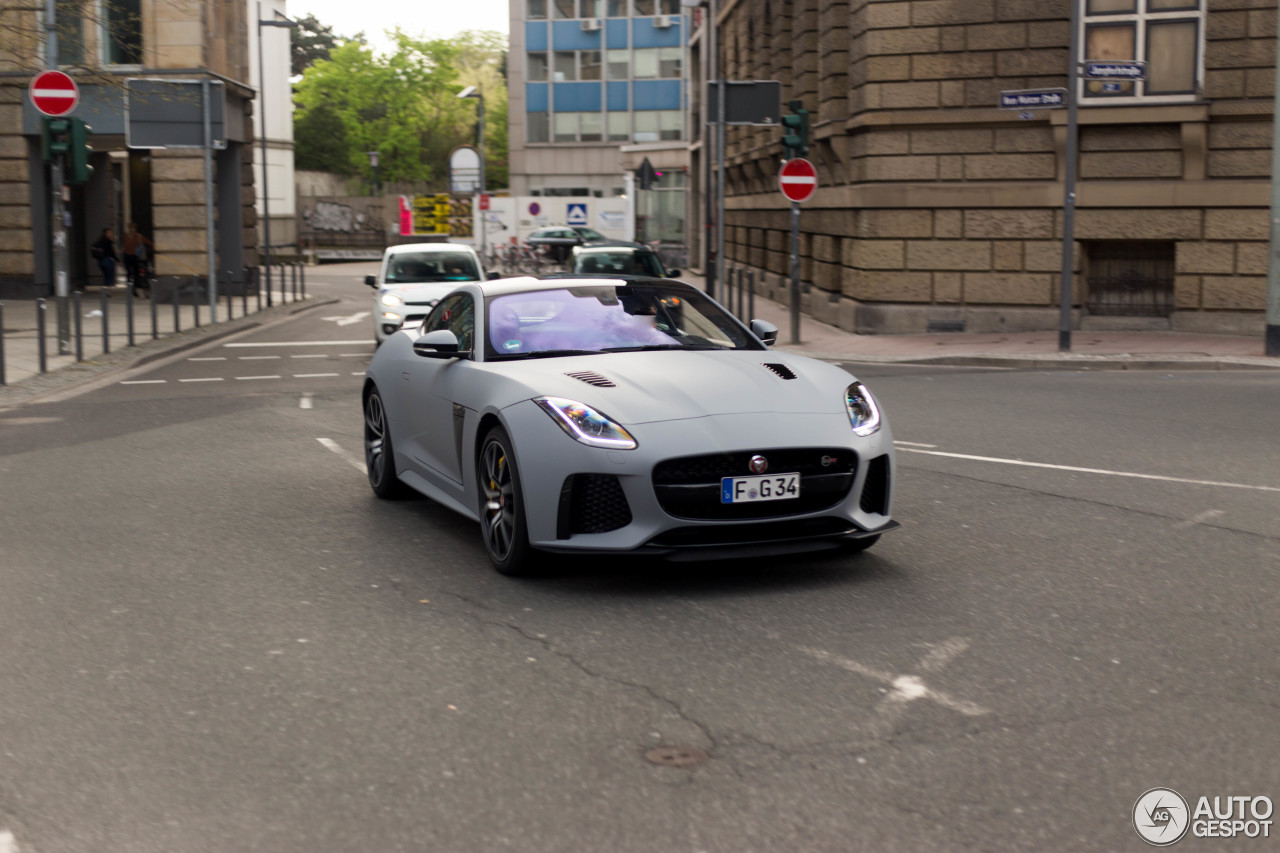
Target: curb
column 1033, row 362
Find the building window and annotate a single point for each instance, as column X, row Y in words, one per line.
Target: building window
column 668, row 7
column 619, row 64
column 122, row 32
column 590, row 65
column 669, row 122
column 1166, row 34
column 564, row 8
column 590, row 8
column 537, row 127
column 1133, row 279
column 537, row 65
column 566, row 66
column 644, row 7
column 618, row 9
column 646, row 126
column 591, row 128
column 566, row 127
column 619, row 127
column 669, row 62
column 537, row 10
column 70, row 26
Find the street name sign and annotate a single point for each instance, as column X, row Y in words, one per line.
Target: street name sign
column 1095, row 69
column 746, row 102
column 1033, row 99
column 797, row 179
column 170, row 113
column 53, row 93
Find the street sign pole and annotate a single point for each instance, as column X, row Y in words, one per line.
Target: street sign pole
column 798, row 181
column 1069, row 186
column 1271, row 344
column 795, row 272
column 61, row 258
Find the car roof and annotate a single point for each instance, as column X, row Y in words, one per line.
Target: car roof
column 610, row 246
column 428, row 248
column 529, row 284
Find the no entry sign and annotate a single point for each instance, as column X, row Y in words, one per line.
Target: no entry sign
column 798, row 179
column 53, row 93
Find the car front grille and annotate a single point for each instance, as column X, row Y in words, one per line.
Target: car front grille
column 756, row 533
column 591, row 503
column 689, row 486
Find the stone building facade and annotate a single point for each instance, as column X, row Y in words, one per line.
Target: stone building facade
column 163, row 190
column 937, row 207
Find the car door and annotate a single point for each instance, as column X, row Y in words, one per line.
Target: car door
column 433, row 417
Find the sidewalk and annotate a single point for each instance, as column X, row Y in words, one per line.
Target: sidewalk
column 1089, row 350
column 174, row 330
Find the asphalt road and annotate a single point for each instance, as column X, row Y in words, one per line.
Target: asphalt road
column 213, row 637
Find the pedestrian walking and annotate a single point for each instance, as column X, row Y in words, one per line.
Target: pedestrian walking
column 103, row 251
column 136, row 249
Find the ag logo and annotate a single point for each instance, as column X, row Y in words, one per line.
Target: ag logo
column 1161, row 816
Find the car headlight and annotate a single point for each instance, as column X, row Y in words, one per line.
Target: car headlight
column 583, row 423
column 391, row 300
column 864, row 414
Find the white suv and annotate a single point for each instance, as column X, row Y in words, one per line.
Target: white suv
column 414, row 277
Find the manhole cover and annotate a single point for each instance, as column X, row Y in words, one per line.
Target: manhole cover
column 676, row 756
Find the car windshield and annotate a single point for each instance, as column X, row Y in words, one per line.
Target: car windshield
column 607, row 318
column 411, row 267
column 620, row 262
column 589, row 234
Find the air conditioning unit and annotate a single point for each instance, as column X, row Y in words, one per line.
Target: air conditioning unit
column 590, row 25
column 663, row 21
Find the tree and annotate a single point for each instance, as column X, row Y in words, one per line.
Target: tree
column 403, row 105
column 327, row 148
column 312, row 40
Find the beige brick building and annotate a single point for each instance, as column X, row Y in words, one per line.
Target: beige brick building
column 163, row 190
column 937, row 206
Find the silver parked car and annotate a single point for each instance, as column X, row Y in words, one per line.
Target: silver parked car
column 607, row 416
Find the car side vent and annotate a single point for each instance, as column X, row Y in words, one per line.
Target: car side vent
column 782, row 370
column 592, row 378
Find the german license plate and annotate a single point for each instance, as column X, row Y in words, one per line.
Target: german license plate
column 772, row 487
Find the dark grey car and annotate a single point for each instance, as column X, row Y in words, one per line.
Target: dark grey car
column 559, row 240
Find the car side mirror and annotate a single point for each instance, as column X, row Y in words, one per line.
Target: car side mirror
column 442, row 343
column 371, row 280
column 673, row 273
column 765, row 331
column 494, row 275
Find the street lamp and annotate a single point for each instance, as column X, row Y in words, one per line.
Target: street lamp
column 373, row 163
column 473, row 92
column 262, row 113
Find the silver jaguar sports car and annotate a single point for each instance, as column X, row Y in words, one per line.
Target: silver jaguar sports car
column 581, row 415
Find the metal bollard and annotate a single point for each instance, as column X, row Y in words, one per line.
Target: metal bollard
column 128, row 310
column 195, row 305
column 2, row 382
column 177, row 298
column 230, row 303
column 293, row 281
column 151, row 295
column 40, row 320
column 302, row 278
column 76, row 307
column 106, row 341
column 751, row 294
column 257, row 286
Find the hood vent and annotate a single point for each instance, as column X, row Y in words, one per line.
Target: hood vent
column 781, row 369
column 592, row 378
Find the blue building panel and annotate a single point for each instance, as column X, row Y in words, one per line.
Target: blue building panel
column 569, row 35
column 616, row 95
column 645, row 34
column 535, row 35
column 537, row 97
column 577, row 97
column 655, row 94
column 615, row 34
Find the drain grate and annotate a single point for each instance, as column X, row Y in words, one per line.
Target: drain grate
column 676, row 756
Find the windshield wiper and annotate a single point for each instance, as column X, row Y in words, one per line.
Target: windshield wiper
column 656, row 347
column 547, row 353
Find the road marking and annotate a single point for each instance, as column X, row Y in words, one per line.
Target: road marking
column 333, row 445
column 305, row 402
column 1199, row 519
column 347, row 320
column 353, row 355
column 358, row 373
column 1106, row 471
column 8, row 844
column 311, row 355
column 256, row 357
column 205, row 379
column 258, row 377
column 209, row 358
column 298, row 344
column 312, row 375
column 913, row 444
column 143, row 381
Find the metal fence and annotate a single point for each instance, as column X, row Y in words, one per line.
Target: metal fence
column 126, row 316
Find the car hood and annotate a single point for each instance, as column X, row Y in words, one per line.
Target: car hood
column 421, row 292
column 663, row 386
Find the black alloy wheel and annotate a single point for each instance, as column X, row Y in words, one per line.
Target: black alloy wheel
column 379, row 458
column 502, row 521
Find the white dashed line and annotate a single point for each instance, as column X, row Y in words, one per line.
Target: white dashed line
column 305, row 402
column 142, row 382
column 913, row 444
column 245, row 378
column 204, row 379
column 256, row 357
column 8, row 844
column 333, row 445
column 1200, row 519
column 312, row 375
column 209, row 358
column 358, row 373
column 1079, row 470
column 311, row 355
column 299, row 344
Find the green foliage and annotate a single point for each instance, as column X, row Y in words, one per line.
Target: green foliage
column 311, row 41
column 403, row 105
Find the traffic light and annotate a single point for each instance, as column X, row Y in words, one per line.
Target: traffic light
column 795, row 131
column 80, row 171
column 54, row 137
